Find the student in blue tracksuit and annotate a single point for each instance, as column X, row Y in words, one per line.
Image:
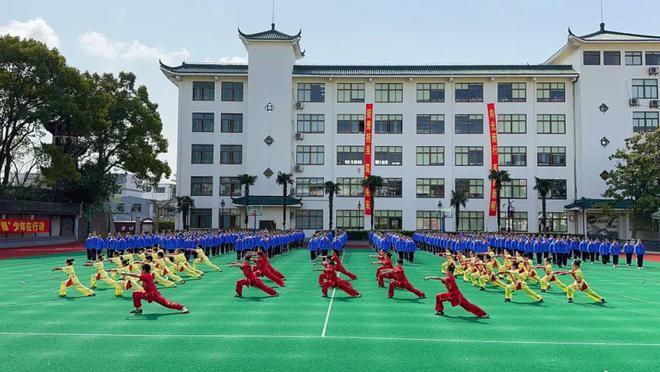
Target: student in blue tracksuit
column 640, row 250
column 615, row 251
column 629, row 249
column 604, row 250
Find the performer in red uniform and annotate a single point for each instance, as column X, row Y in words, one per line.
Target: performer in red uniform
column 400, row 281
column 331, row 280
column 325, row 264
column 150, row 293
column 266, row 262
column 251, row 279
column 385, row 261
column 340, row 267
column 264, row 269
column 453, row 295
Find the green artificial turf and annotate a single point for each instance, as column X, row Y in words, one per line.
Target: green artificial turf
column 39, row 330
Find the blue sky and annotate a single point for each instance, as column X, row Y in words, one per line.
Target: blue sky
column 110, row 36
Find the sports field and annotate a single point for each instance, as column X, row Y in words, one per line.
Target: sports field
column 300, row 330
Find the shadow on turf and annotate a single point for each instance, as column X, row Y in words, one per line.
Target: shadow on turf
column 151, row 316
column 471, row 319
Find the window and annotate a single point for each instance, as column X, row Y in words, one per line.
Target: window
column 232, row 91
column 474, row 187
column 309, row 219
column 471, row 221
column 511, row 92
column 555, row 221
column 350, row 92
column 469, row 92
column 428, row 220
column 511, row 123
column 311, row 123
column 633, row 58
column 388, row 124
column 514, row 221
column 350, row 186
column 388, row 155
column 551, row 156
column 591, row 57
column 557, row 190
column 469, row 124
column 200, row 218
column 469, row 155
column 231, row 123
column 231, row 154
column 388, row 220
column 514, row 189
column 136, row 208
column 310, row 155
column 202, row 121
column 645, row 88
column 202, row 154
column 389, row 92
column 203, row 91
column 652, row 58
column 201, row 186
column 348, row 219
column 310, row 186
column 611, row 58
column 159, row 190
column 550, row 123
column 392, row 188
column 512, row 156
column 430, row 124
column 230, row 186
column 430, row 92
column 119, row 207
column 430, row 187
column 350, row 123
column 645, row 121
column 229, row 218
column 431, row 155
column 311, row 92
column 350, row 155
column 550, row 92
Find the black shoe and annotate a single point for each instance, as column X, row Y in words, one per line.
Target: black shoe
column 540, row 301
column 136, row 311
column 507, row 300
column 324, row 295
column 570, row 300
column 440, row 313
column 543, row 290
column 482, row 289
column 602, row 300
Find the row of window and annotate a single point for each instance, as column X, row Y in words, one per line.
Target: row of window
column 613, row 58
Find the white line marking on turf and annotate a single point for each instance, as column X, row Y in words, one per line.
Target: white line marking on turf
column 327, row 314
column 364, row 338
column 630, row 297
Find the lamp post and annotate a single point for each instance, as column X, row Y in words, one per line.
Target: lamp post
column 222, row 214
column 442, row 216
column 360, row 213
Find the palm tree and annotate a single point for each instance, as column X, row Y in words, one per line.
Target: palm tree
column 499, row 176
column 372, row 183
column 544, row 187
column 247, row 180
column 331, row 189
column 184, row 204
column 459, row 198
column 284, row 180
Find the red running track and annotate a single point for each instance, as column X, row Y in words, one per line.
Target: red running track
column 41, row 250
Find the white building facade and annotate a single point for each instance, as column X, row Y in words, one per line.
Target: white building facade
column 430, row 135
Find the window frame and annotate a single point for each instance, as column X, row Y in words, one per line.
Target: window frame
column 310, row 92
column 203, row 90
column 474, row 187
column 233, row 187
column 306, row 215
column 469, row 124
column 542, row 150
column 310, row 123
column 203, row 150
column 438, row 88
column 201, row 187
column 231, row 154
column 512, row 152
column 471, row 92
column 550, row 123
column 313, row 187
column 356, row 121
column 511, row 120
column 432, row 184
column 428, row 154
column 391, row 160
column 388, row 92
column 645, row 119
column 608, row 55
column 310, row 155
column 231, row 91
column 515, row 89
column 473, row 219
column 468, row 152
column 594, row 58
column 545, row 91
column 343, row 91
column 357, row 159
column 201, row 120
column 388, row 124
column 231, row 122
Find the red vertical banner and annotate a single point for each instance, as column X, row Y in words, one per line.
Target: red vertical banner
column 368, row 129
column 494, row 159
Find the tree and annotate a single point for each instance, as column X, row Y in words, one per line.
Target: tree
column 184, row 204
column 544, row 187
column 331, row 189
column 247, row 180
column 636, row 177
column 458, row 199
column 372, row 183
column 499, row 176
column 284, row 180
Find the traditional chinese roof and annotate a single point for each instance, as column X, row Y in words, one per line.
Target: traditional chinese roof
column 266, row 200
column 613, row 36
column 588, row 203
column 269, row 35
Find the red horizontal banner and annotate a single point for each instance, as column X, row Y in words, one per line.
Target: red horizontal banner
column 14, row 226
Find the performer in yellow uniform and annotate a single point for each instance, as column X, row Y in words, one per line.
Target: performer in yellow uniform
column 116, row 260
column 460, row 264
column 580, row 284
column 166, row 270
column 448, row 260
column 72, row 280
column 530, row 272
column 128, row 281
column 182, row 265
column 550, row 277
column 202, row 258
column 517, row 283
column 491, row 267
column 102, row 275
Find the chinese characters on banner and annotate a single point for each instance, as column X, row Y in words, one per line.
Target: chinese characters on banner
column 493, row 208
column 368, row 124
column 13, row 226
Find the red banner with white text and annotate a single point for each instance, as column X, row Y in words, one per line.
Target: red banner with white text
column 23, row 226
column 493, row 208
column 368, row 126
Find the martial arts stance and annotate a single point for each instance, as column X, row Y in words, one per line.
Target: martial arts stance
column 331, row 280
column 453, row 295
column 150, row 293
column 251, row 279
column 262, row 268
column 72, row 280
column 401, row 281
column 580, row 284
column 103, row 276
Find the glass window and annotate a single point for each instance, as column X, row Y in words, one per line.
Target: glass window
column 557, row 190
column 551, row 156
column 202, row 154
column 348, row 219
column 430, row 187
column 350, row 186
column 231, row 123
column 388, row 124
column 469, row 124
column 430, row 155
column 310, row 155
column 430, row 92
column 311, row 92
column 514, row 189
column 645, row 88
column 350, row 123
column 511, row 92
column 633, row 58
column 556, row 221
column 469, row 92
column 350, row 92
column 591, row 57
column 550, row 92
column 231, row 154
column 652, row 58
column 232, row 91
column 200, row 218
column 471, row 221
column 202, row 121
column 392, row 188
column 511, row 123
column 645, row 121
column 388, row 155
column 428, row 220
column 201, row 186
column 514, row 221
column 311, row 123
column 474, row 187
column 469, row 155
column 550, row 123
column 612, row 58
column 230, row 186
column 512, row 156
column 430, row 124
column 203, row 91
column 309, row 219
column 136, row 208
column 310, row 186
column 229, row 218
column 389, row 92
column 350, row 155
column 388, row 219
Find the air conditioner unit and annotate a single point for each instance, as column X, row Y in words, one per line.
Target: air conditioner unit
column 299, row 106
column 654, row 103
column 654, row 70
column 633, row 102
column 299, row 136
column 298, row 169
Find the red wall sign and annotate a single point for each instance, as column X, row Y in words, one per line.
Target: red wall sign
column 494, row 159
column 368, row 124
column 12, row 226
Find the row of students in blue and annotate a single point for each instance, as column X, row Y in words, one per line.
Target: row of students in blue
column 322, row 242
column 403, row 244
column 271, row 242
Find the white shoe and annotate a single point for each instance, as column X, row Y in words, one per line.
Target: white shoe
column 185, row 310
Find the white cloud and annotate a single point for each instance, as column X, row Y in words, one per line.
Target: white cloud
column 36, row 29
column 235, row 60
column 97, row 44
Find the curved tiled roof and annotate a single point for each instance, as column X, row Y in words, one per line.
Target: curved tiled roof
column 269, row 35
column 606, row 35
column 206, row 68
column 266, row 200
